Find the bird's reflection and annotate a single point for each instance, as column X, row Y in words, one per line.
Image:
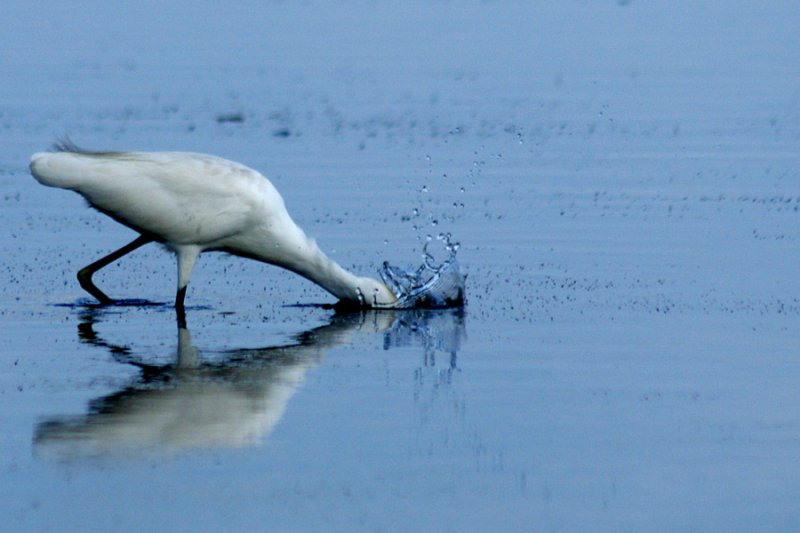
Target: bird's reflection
column 233, row 400
column 434, row 330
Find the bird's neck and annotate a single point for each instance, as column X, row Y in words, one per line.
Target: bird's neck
column 329, row 275
column 305, row 258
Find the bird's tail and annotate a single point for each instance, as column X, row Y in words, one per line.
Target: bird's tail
column 65, row 170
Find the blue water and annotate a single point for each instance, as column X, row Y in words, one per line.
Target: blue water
column 622, row 178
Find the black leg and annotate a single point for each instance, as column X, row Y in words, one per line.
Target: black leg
column 85, row 274
column 180, row 311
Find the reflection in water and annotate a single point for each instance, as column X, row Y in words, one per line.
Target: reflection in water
column 435, row 330
column 234, row 400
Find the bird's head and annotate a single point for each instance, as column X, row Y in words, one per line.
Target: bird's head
column 375, row 294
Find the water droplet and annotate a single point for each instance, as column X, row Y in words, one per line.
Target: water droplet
column 433, row 284
column 424, row 188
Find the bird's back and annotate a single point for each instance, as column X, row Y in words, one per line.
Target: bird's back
column 177, row 197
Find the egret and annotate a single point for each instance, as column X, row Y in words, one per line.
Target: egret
column 193, row 203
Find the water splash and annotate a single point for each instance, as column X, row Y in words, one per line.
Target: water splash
column 431, row 285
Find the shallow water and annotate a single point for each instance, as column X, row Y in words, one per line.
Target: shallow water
column 623, row 181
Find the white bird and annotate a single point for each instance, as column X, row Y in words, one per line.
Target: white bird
column 194, row 203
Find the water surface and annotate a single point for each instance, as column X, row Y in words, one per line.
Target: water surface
column 622, row 179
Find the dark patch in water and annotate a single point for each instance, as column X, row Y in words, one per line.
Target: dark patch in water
column 232, row 118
